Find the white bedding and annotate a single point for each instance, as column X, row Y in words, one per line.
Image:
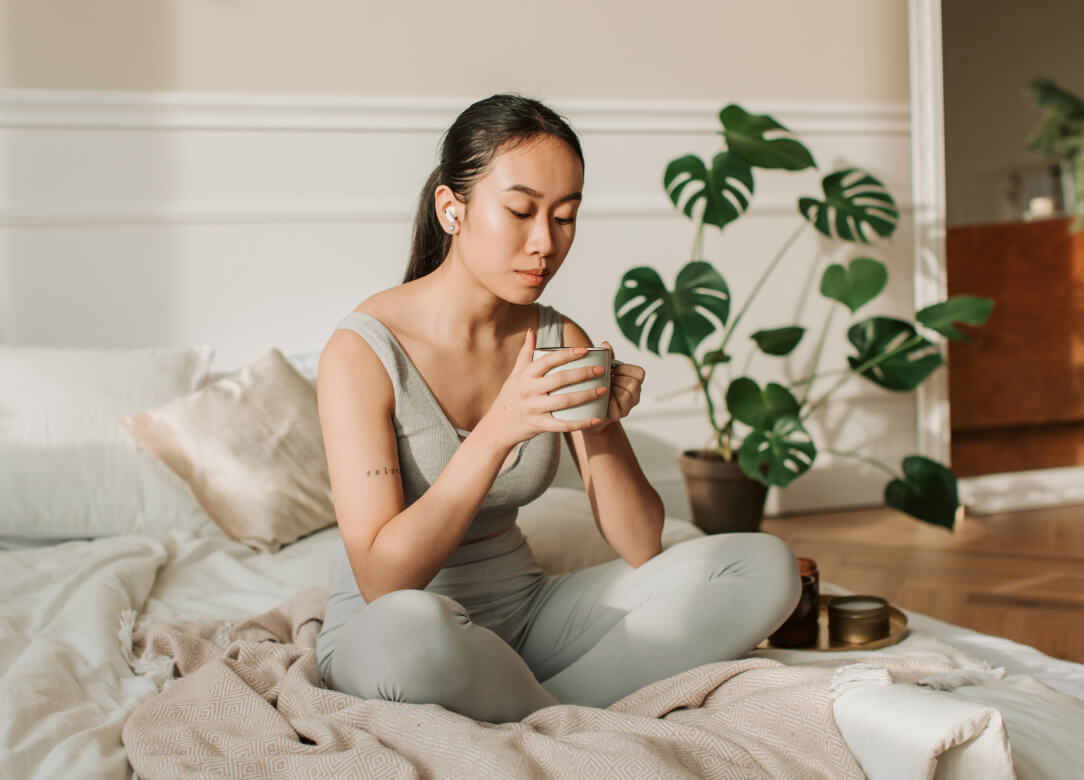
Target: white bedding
column 67, row 688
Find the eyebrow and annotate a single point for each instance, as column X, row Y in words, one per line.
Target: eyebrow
column 536, row 194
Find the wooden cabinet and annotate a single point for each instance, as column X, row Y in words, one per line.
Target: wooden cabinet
column 1017, row 393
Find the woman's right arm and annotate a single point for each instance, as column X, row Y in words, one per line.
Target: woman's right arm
column 390, row 546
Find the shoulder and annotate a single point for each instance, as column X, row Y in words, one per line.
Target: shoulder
column 573, row 335
column 384, row 304
column 350, row 366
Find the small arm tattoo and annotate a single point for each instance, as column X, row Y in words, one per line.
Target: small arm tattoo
column 381, row 471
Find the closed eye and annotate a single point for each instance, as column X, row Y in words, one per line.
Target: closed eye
column 560, row 220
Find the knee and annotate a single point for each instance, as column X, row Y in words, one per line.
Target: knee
column 410, row 610
column 765, row 560
column 399, row 647
column 774, row 563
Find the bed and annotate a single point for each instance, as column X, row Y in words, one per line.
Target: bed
column 168, row 534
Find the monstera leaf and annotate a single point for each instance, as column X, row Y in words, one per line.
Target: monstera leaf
column 967, row 309
column 759, row 408
column 744, row 133
column 725, row 189
column 927, row 491
column 778, row 341
column 857, row 284
column 904, row 370
column 777, row 455
column 853, row 200
column 644, row 307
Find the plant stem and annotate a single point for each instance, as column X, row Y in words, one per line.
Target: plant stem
column 807, row 379
column 748, row 362
column 911, row 342
column 760, row 283
column 704, row 385
column 865, row 459
column 817, row 356
column 698, row 238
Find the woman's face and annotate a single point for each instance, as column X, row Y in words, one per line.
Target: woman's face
column 521, row 218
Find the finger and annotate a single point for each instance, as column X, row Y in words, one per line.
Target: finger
column 627, row 384
column 580, row 425
column 630, row 370
column 568, row 400
column 556, row 356
column 526, row 352
column 548, row 422
column 555, row 380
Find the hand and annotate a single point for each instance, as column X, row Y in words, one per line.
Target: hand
column 522, row 409
column 626, row 382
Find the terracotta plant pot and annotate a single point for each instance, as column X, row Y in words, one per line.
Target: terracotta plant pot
column 721, row 496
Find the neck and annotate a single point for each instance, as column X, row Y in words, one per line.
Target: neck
column 456, row 309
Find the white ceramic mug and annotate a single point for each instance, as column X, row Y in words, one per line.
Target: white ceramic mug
column 596, row 356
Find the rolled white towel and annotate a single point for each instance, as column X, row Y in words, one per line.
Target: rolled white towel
column 899, row 731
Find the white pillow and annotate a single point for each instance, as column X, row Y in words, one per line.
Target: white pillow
column 304, row 363
column 67, row 467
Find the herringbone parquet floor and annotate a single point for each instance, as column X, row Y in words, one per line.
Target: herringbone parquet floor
column 1019, row 575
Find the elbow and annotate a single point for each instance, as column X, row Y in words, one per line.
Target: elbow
column 373, row 571
column 636, row 563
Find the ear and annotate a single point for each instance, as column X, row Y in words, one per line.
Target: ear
column 444, row 199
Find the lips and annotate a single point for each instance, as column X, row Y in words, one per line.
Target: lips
column 534, row 277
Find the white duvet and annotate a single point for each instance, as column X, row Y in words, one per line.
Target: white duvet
column 66, row 687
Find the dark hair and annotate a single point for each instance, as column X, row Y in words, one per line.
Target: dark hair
column 485, row 128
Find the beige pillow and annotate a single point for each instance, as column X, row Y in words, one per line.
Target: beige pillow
column 250, row 448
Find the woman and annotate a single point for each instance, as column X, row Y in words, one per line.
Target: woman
column 437, row 426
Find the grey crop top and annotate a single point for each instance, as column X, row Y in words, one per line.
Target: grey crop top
column 426, row 441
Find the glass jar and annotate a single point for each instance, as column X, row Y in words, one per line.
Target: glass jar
column 803, row 625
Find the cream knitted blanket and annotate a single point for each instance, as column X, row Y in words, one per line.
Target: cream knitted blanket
column 247, row 701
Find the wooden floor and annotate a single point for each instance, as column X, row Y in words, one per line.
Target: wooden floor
column 1019, row 575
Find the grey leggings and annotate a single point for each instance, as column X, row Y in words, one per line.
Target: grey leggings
column 514, row 640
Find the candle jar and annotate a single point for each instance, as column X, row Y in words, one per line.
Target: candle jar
column 855, row 620
column 802, row 627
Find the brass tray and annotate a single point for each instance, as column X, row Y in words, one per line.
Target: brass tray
column 897, row 630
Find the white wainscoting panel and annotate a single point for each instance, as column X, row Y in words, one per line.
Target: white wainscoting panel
column 248, row 222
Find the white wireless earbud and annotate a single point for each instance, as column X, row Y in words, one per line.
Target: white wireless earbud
column 450, row 214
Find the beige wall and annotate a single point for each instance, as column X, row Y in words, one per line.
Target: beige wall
column 830, row 50
column 992, row 48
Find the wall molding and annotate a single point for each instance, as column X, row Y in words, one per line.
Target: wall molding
column 75, row 109
column 89, row 112
column 361, row 211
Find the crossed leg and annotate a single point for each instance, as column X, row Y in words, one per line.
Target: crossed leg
column 595, row 635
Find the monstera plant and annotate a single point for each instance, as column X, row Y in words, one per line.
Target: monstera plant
column 762, row 427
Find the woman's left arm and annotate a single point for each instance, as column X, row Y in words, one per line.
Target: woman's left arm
column 628, row 510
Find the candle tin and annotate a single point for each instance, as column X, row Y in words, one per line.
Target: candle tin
column 856, row 620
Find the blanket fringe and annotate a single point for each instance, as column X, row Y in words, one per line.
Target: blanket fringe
column 955, row 678
column 221, row 637
column 159, row 668
column 847, row 678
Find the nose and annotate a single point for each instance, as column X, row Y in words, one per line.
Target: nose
column 540, row 241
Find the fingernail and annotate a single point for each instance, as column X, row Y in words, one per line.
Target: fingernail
column 581, row 350
column 600, row 391
column 599, row 370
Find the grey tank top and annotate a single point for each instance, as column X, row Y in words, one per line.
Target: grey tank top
column 426, row 442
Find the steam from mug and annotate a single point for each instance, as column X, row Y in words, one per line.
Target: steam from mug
column 596, row 356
